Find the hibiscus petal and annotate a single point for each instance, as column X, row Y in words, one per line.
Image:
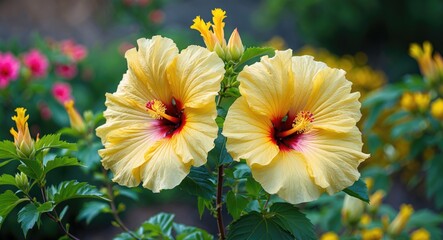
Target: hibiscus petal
column 196, row 138
column 304, row 69
column 148, row 64
column 268, row 85
column 333, row 157
column 195, row 76
column 163, row 169
column 121, row 112
column 288, row 177
column 250, row 135
column 332, row 103
column 125, row 149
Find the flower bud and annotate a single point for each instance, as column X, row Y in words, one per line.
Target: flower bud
column 420, row 234
column 372, row 234
column 75, row 119
column 401, row 219
column 329, row 236
column 375, row 200
column 407, row 102
column 22, row 138
column 352, row 210
column 219, row 50
column 235, row 46
column 437, row 109
column 22, row 182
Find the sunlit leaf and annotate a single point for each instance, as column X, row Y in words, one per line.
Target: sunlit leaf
column 252, row 53
column 53, row 141
column 72, row 189
column 7, row 179
column 190, row 233
column 57, row 162
column 8, row 201
column 8, row 150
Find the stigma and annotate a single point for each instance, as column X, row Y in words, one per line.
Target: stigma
column 301, row 124
column 157, row 110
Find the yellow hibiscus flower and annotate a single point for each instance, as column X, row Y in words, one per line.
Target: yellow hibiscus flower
column 295, row 124
column 161, row 119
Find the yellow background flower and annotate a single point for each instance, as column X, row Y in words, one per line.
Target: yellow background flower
column 161, row 119
column 295, row 124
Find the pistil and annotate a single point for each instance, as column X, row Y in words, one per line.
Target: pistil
column 301, row 124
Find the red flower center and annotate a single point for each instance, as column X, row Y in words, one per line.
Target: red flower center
column 171, row 117
column 289, row 130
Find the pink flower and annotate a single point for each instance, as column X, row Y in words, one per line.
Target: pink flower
column 9, row 68
column 45, row 111
column 157, row 16
column 67, row 71
column 62, row 92
column 36, row 62
column 76, row 52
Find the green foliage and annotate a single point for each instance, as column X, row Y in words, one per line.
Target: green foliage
column 161, row 226
column 252, row 53
column 32, row 168
column 90, row 210
column 358, row 190
column 199, row 182
column 8, row 150
column 28, row 217
column 72, row 189
column 57, row 162
column 8, row 201
column 236, row 203
column 283, row 221
column 219, row 154
column 7, row 179
column 53, row 141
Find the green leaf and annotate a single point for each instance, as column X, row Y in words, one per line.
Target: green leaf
column 253, row 188
column 27, row 217
column 202, row 204
column 199, row 182
column 235, row 204
column 90, row 210
column 358, row 190
column 190, row 233
column 164, row 221
column 32, row 168
column 8, row 201
column 424, row 218
column 5, row 162
column 292, row 220
column 53, row 141
column 72, row 189
column 7, row 179
column 8, row 150
column 57, row 162
column 219, row 154
column 46, row 207
column 258, row 226
column 254, row 52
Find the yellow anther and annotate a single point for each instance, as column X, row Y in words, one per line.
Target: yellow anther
column 301, row 124
column 157, row 110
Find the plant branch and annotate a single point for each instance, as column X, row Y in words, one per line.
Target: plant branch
column 55, row 217
column 114, row 211
column 219, row 203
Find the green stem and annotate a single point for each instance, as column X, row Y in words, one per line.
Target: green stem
column 56, row 217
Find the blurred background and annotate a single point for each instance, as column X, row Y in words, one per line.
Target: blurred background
column 81, row 47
